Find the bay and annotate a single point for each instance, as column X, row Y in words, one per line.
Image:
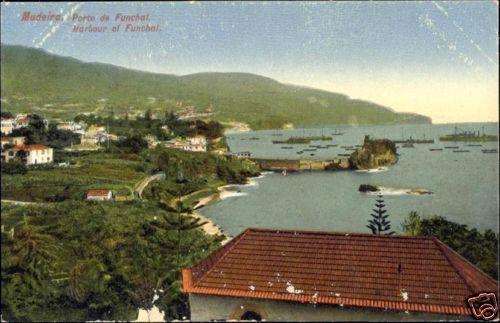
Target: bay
column 465, row 185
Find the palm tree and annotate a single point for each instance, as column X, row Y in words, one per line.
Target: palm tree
column 85, row 277
column 34, row 251
column 412, row 224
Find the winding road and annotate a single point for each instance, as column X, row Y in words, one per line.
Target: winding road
column 140, row 186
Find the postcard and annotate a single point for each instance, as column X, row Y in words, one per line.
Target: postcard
column 249, row 161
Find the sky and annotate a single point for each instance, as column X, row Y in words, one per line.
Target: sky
column 436, row 58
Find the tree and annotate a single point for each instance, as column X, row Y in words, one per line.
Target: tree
column 34, row 251
column 148, row 118
column 481, row 249
column 412, row 224
column 133, row 143
column 379, row 223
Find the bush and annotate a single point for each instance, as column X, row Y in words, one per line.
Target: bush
column 14, row 166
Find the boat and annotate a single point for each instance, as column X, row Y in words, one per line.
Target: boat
column 283, row 172
column 474, row 145
column 286, row 147
column 451, row 147
column 253, row 138
column 311, row 154
column 358, row 146
column 300, row 152
column 461, row 151
column 351, row 149
column 345, row 155
column 489, row 151
column 407, row 145
column 337, row 133
column 310, row 149
column 414, row 141
column 346, row 146
column 468, row 136
column 331, row 145
column 436, row 149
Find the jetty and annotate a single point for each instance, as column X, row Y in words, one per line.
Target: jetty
column 297, row 165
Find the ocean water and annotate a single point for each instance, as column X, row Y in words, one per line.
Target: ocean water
column 465, row 185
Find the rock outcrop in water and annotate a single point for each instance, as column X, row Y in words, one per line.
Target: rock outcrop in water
column 375, row 189
column 374, row 153
column 368, row 188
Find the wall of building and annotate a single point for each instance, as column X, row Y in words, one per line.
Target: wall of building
column 36, row 157
column 212, row 307
column 101, row 198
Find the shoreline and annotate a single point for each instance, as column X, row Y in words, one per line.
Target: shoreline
column 211, row 227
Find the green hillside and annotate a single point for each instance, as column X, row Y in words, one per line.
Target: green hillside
column 36, row 81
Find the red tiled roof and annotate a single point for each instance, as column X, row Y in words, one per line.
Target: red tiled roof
column 97, row 192
column 23, row 120
column 29, row 147
column 386, row 272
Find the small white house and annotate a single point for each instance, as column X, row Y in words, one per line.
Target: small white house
column 7, row 125
column 198, row 143
column 243, row 154
column 197, row 140
column 99, row 195
column 34, row 154
column 78, row 128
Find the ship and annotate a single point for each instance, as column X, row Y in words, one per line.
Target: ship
column 467, row 136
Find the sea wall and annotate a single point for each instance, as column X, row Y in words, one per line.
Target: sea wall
column 302, row 165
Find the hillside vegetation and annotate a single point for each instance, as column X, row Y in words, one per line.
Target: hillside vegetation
column 36, row 81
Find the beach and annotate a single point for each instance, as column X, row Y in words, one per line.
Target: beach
column 223, row 193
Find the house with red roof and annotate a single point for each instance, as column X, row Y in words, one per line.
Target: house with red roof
column 99, row 195
column 32, row 154
column 321, row 276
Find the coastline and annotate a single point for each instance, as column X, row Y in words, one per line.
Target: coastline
column 223, row 192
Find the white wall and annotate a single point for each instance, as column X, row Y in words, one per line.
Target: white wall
column 37, row 157
column 212, row 307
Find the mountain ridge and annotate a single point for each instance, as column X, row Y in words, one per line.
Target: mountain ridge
column 35, row 80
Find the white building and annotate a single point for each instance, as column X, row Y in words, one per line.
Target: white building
column 22, row 120
column 35, row 154
column 72, row 126
column 198, row 143
column 7, row 125
column 312, row 276
column 99, row 195
column 197, row 140
column 243, row 154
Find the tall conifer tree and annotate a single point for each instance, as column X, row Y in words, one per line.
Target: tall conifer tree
column 379, row 223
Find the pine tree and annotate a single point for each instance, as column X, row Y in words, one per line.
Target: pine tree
column 379, row 223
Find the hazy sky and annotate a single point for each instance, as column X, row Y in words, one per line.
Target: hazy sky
column 431, row 57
